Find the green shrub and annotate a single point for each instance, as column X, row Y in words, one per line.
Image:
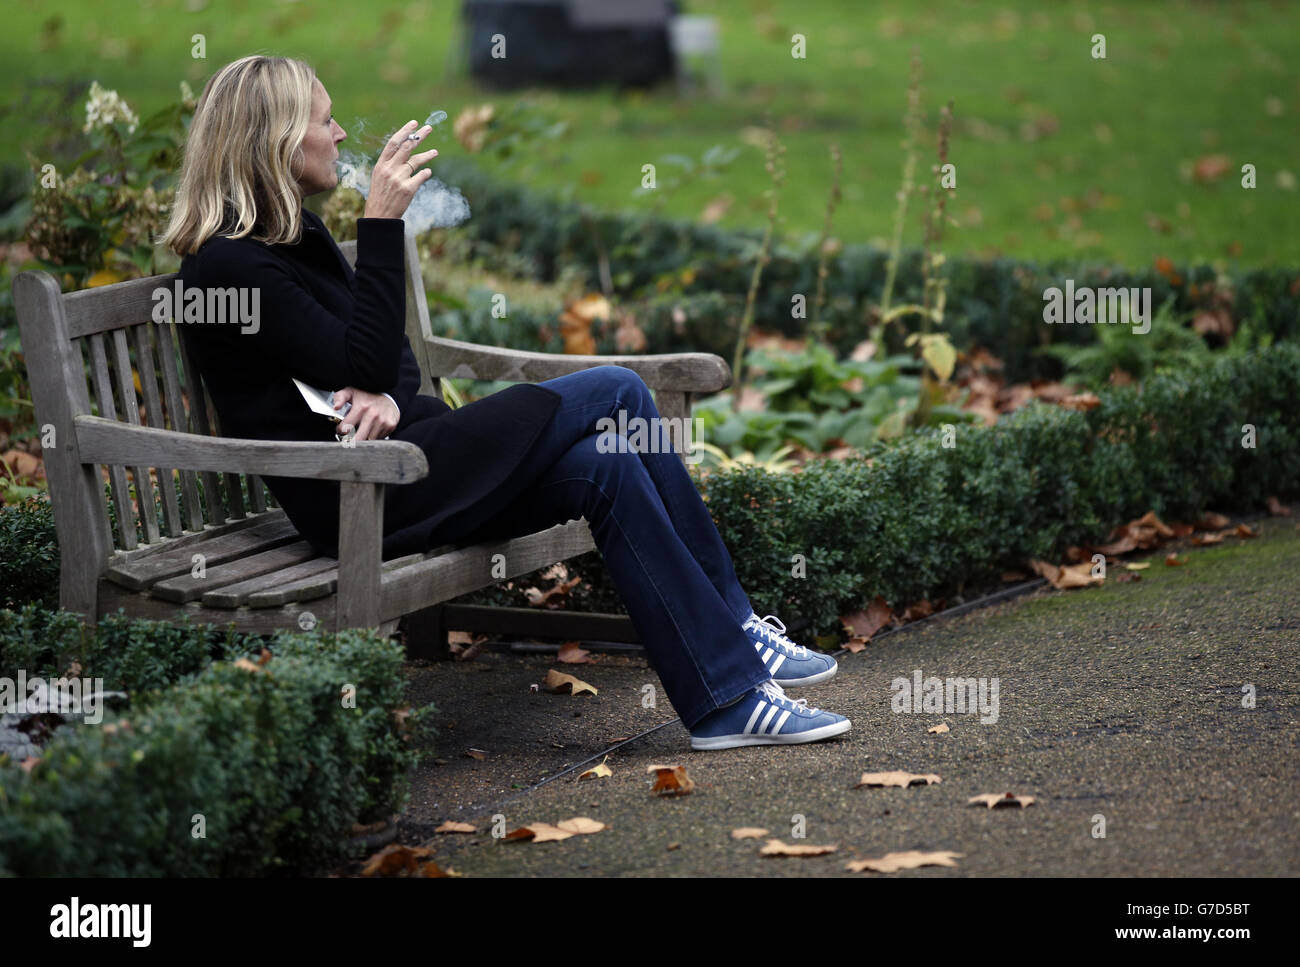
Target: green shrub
column 29, row 554
column 270, row 758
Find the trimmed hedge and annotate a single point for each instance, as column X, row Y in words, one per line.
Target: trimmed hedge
column 271, row 759
column 914, row 519
column 993, row 302
column 917, row 520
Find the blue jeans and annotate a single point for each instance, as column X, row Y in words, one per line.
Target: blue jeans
column 654, row 533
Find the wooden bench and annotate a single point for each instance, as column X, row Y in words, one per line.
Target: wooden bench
column 223, row 552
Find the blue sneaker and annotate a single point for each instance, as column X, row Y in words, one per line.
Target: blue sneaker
column 786, row 662
column 766, row 716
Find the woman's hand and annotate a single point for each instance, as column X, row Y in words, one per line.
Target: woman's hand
column 373, row 414
column 398, row 173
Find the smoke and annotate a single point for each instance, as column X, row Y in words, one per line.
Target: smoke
column 435, row 205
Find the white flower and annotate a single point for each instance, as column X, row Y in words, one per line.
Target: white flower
column 187, row 94
column 106, row 107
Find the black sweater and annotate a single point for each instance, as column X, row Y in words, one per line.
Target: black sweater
column 331, row 327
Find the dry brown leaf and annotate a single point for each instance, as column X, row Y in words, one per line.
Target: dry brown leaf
column 903, row 779
column 1138, row 565
column 597, row 772
column 396, row 860
column 918, row 610
column 1277, row 508
column 580, row 826
column 30, row 763
column 1212, row 522
column 552, row 597
column 1200, row 540
column 864, row 624
column 748, row 832
column 572, row 654
column 1081, row 401
column 939, row 729
column 1243, row 530
column 671, row 780
column 893, row 862
column 1116, row 548
column 1173, row 561
column 1149, row 519
column 1070, row 576
column 563, row 684
column 263, row 658
column 245, row 665
column 453, row 827
column 855, row 645
column 538, row 833
column 479, row 754
column 994, row 801
column 774, row 847
column 1181, row 530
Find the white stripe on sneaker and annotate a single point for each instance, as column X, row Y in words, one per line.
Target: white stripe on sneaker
column 758, row 708
column 776, row 729
column 765, row 656
column 763, row 727
column 775, row 665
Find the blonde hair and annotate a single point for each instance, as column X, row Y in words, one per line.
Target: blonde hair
column 239, row 157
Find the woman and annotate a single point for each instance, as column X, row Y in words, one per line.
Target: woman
column 513, row 463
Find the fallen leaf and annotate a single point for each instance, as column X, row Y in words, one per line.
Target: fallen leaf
column 1081, row 401
column 864, row 624
column 1212, row 522
column 1172, row 560
column 245, row 665
column 1243, row 530
column 1200, row 540
column 580, row 826
column 572, row 654
column 453, row 827
column 1149, row 519
column 553, row 596
column 1138, row 565
column 1277, row 508
column 563, row 684
column 30, row 763
column 673, row 846
column 1115, row 548
column 939, row 729
column 263, row 658
column 597, row 772
column 748, row 832
column 774, row 847
column 396, row 860
column 671, row 780
column 893, row 862
column 1070, row 576
column 903, row 779
column 479, row 754
column 855, row 645
column 917, row 611
column 1211, row 167
column 994, row 801
column 538, row 833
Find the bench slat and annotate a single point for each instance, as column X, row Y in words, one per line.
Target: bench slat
column 167, row 351
column 215, row 550
column 186, row 587
column 131, row 410
column 199, row 419
column 116, row 473
column 272, row 586
column 315, row 586
column 154, row 414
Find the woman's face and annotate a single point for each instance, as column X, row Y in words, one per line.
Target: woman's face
column 318, row 151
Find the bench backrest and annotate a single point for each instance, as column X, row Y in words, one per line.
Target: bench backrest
column 103, row 343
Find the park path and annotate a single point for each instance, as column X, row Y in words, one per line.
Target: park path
column 1122, row 702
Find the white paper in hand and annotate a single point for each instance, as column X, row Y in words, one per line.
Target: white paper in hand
column 320, row 401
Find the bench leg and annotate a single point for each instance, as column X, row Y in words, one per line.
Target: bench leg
column 426, row 634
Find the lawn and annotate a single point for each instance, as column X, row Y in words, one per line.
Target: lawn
column 1057, row 153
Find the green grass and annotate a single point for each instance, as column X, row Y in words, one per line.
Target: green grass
column 1181, row 80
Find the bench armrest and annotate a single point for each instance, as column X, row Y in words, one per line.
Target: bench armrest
column 101, row 440
column 671, row 372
